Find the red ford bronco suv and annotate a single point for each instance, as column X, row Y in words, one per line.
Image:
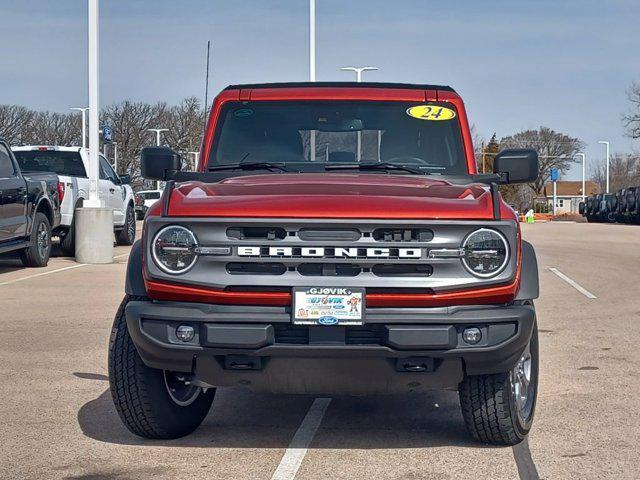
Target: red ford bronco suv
column 336, row 239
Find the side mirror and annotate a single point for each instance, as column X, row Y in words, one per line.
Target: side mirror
column 516, row 165
column 159, row 163
column 125, row 179
column 581, row 208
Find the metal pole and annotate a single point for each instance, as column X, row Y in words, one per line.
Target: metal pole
column 358, row 71
column 607, row 145
column 83, row 110
column 312, row 68
column 196, row 155
column 554, row 198
column 94, row 127
column 157, row 131
column 312, row 40
column 584, row 195
column 115, row 157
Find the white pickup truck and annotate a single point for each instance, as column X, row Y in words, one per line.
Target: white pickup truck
column 71, row 163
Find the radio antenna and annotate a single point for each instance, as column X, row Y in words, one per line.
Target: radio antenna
column 206, row 89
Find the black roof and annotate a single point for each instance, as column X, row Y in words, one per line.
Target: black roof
column 407, row 86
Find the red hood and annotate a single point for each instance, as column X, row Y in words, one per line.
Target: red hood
column 332, row 196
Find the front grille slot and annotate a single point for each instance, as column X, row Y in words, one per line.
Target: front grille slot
column 360, row 335
column 250, row 268
column 403, row 235
column 401, row 270
column 291, row 334
column 329, row 270
column 329, row 235
column 256, row 233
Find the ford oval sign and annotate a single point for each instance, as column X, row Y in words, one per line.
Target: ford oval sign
column 328, row 320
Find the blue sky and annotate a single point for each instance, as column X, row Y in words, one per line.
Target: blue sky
column 563, row 64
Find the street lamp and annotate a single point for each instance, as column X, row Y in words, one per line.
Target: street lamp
column 196, row 155
column 607, row 145
column 358, row 71
column 312, row 40
column 583, row 173
column 158, row 131
column 84, row 124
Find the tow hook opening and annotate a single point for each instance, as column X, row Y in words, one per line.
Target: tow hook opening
column 242, row 362
column 415, row 364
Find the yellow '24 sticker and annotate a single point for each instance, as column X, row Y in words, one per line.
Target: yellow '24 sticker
column 431, row 112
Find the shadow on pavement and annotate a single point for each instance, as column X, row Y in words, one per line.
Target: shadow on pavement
column 242, row 419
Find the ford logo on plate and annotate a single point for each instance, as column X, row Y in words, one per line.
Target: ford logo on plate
column 327, row 320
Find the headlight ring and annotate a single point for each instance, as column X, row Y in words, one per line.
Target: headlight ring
column 486, row 252
column 174, row 249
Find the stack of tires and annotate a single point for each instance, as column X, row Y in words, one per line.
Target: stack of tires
column 620, row 207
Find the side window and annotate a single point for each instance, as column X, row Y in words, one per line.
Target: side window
column 106, row 172
column 6, row 165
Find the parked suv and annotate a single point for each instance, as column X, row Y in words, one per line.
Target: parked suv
column 336, row 239
column 71, row 164
column 29, row 209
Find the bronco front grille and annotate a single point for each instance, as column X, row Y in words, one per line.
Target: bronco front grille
column 378, row 255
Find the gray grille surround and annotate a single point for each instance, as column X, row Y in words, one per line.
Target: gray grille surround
column 211, row 270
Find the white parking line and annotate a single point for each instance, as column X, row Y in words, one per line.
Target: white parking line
column 293, row 456
column 70, row 267
column 573, row 283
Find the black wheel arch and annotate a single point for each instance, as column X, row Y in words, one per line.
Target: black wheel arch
column 134, row 282
column 529, row 281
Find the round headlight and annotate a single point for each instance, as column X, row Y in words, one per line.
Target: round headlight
column 486, row 252
column 174, row 249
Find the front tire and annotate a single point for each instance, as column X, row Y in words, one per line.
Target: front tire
column 498, row 409
column 127, row 235
column 151, row 403
column 38, row 252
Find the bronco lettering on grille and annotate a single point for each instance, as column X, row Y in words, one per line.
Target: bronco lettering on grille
column 330, row 252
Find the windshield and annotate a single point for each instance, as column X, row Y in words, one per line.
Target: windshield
column 62, row 163
column 424, row 136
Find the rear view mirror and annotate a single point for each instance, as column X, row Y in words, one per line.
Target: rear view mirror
column 159, row 163
column 581, row 207
column 125, row 179
column 516, row 165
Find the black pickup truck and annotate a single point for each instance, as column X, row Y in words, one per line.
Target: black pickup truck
column 29, row 209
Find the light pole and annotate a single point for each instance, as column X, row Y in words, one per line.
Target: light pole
column 358, row 71
column 115, row 156
column 312, row 40
column 583, row 173
column 84, row 124
column 158, row 131
column 604, row 142
column 196, row 155
column 312, row 68
column 93, row 221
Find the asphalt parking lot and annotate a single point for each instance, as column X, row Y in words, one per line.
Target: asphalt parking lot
column 58, row 420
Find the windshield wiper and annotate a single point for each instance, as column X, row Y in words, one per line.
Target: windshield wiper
column 377, row 166
column 271, row 166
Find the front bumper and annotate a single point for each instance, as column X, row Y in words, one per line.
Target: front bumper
column 396, row 350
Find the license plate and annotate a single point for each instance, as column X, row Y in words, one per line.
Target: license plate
column 328, row 306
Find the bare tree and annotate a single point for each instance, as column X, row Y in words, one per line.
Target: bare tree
column 130, row 122
column 15, row 122
column 51, row 128
column 555, row 150
column 631, row 120
column 624, row 171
